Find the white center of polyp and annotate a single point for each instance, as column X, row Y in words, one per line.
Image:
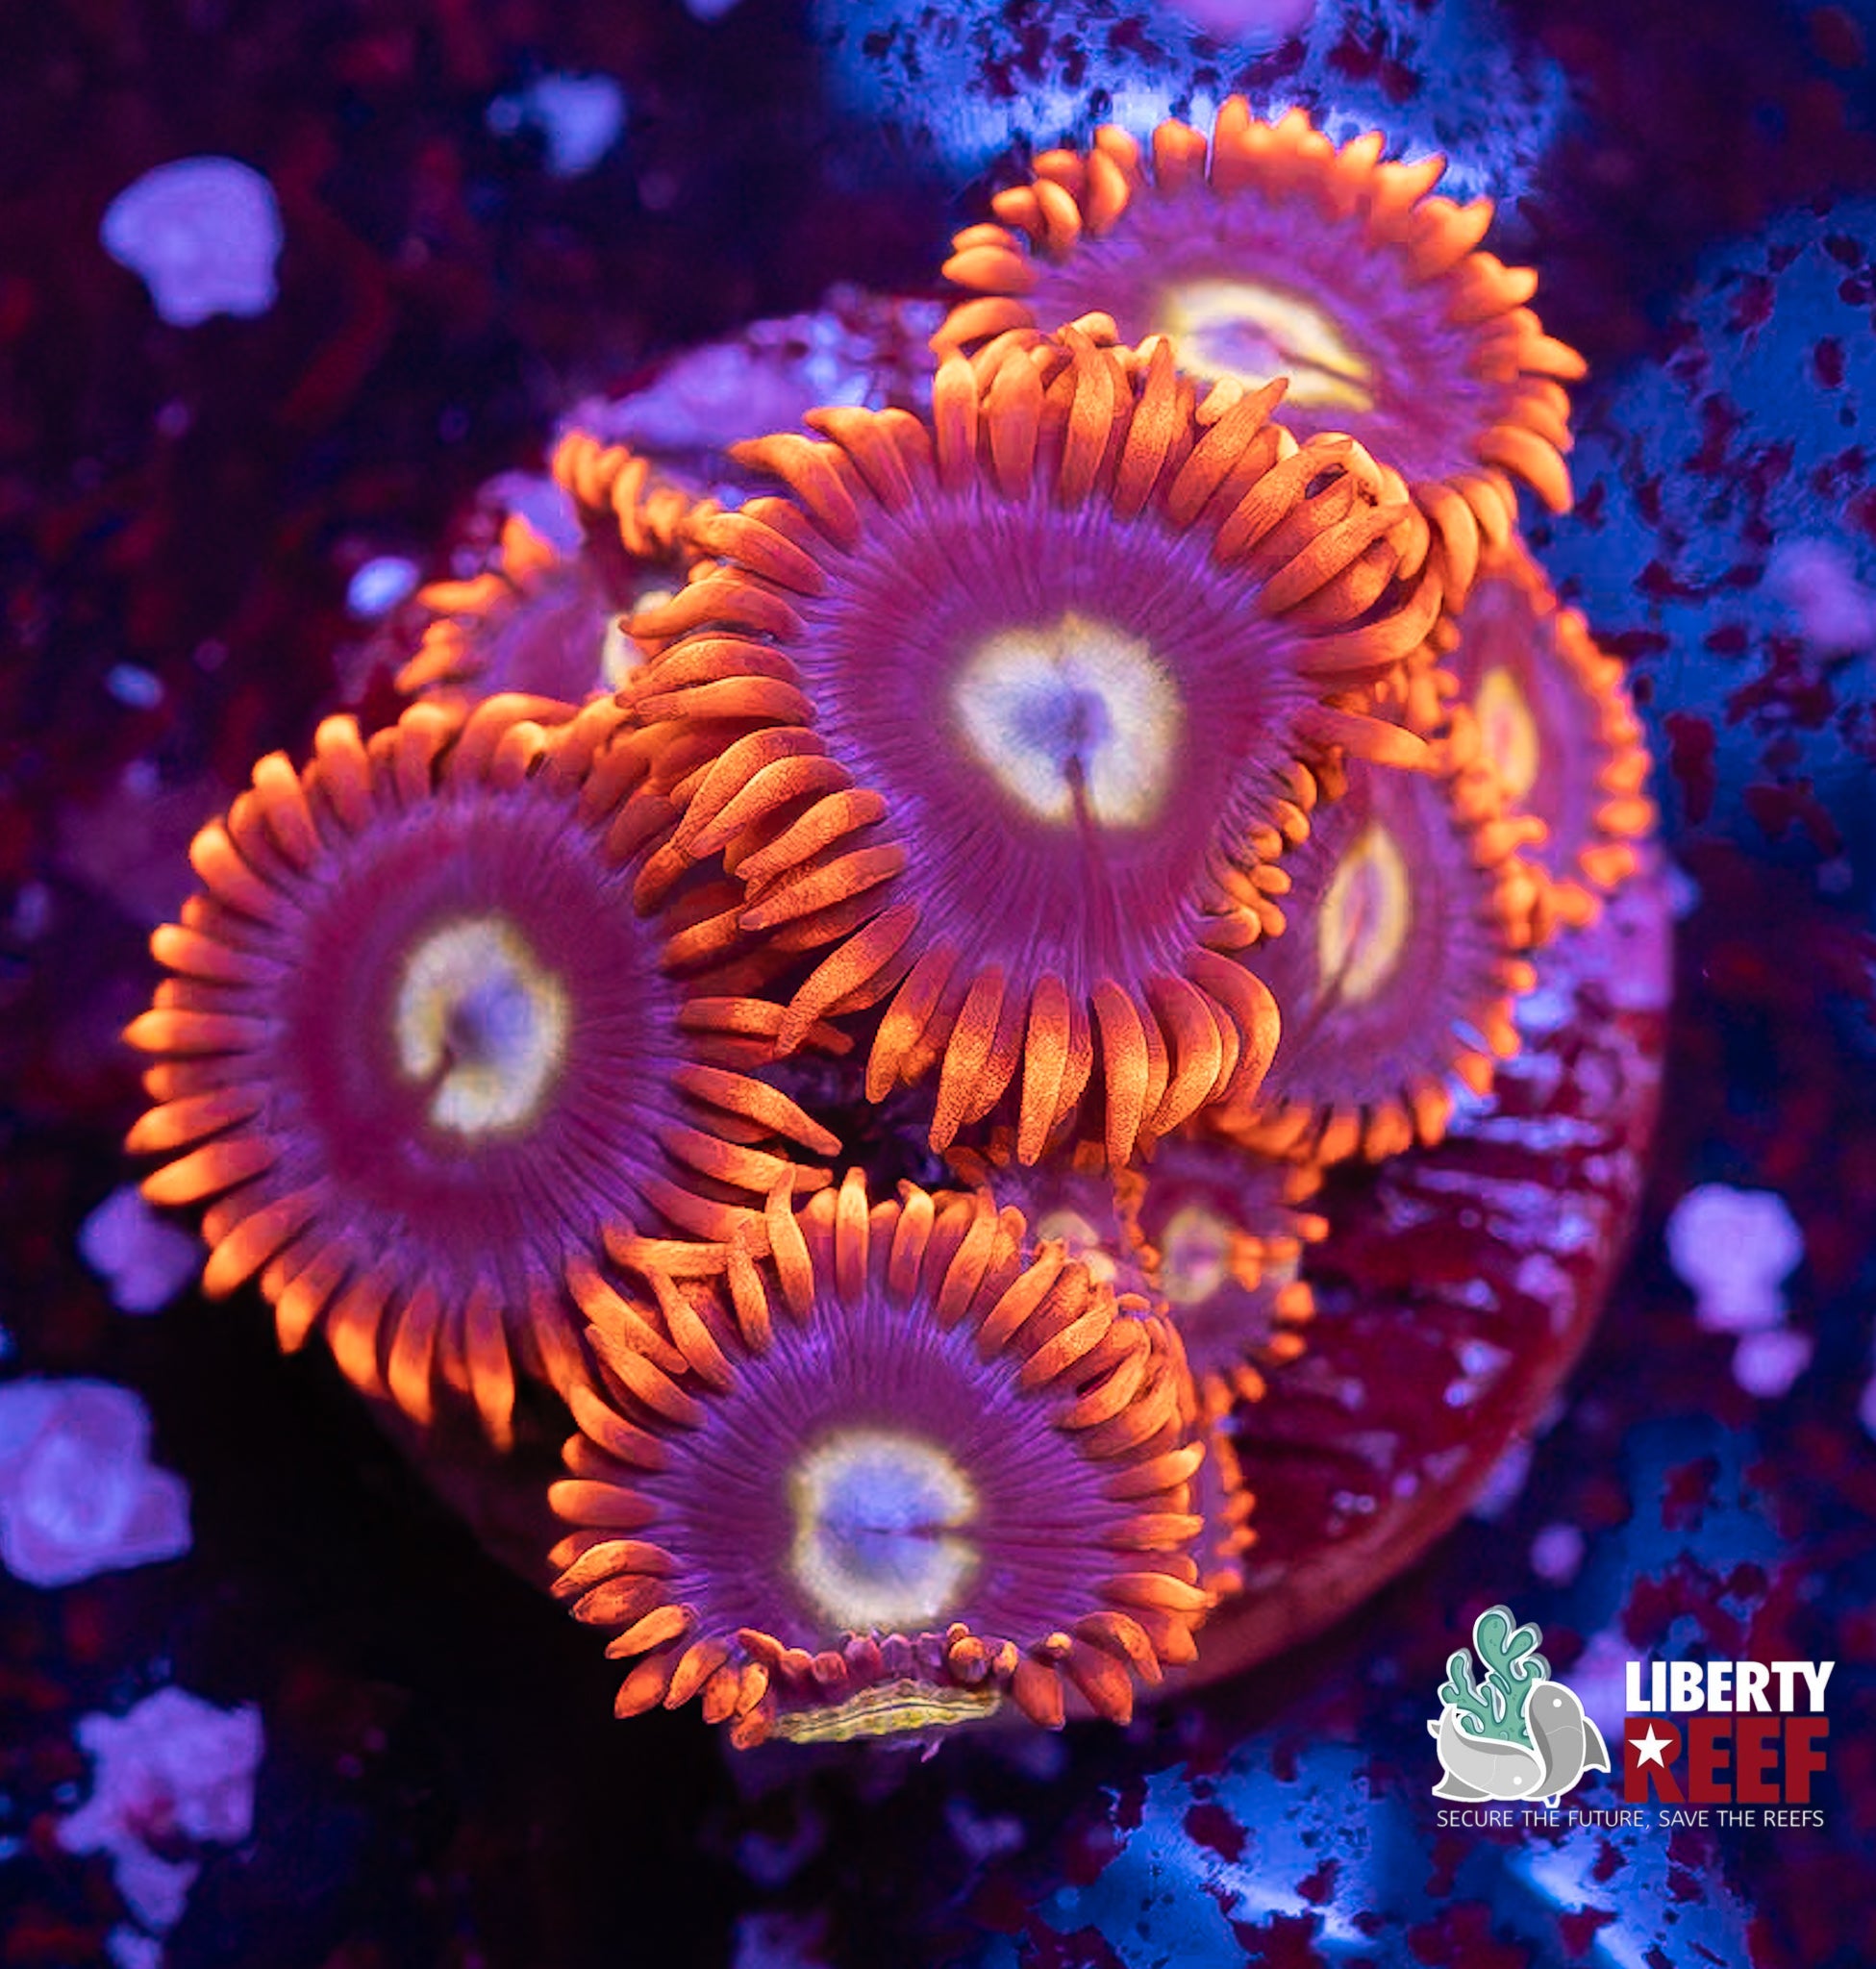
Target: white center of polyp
column 619, row 657
column 1508, row 729
column 1251, row 331
column 1194, row 1255
column 877, row 1531
column 1076, row 721
column 481, row 1024
column 1069, row 1227
column 1366, row 917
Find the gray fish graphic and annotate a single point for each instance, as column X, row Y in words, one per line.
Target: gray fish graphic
column 1568, row 1742
column 1480, row 1767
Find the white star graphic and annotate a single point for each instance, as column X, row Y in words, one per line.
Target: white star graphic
column 1651, row 1749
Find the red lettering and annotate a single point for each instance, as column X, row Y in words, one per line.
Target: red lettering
column 1715, row 1746
column 1709, row 1757
column 1638, row 1776
column 1803, row 1758
column 1754, row 1752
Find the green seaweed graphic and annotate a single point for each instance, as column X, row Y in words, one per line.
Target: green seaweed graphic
column 1494, row 1708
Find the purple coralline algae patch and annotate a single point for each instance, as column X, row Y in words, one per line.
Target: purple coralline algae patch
column 144, row 1259
column 1724, row 540
column 173, row 1774
column 962, row 86
column 689, row 408
column 204, row 233
column 1734, row 1249
column 78, row 1493
column 577, row 117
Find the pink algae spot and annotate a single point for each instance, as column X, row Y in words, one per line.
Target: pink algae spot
column 1719, row 423
column 1398, row 82
column 1577, row 1932
column 1687, row 1848
column 1211, row 1826
column 1086, row 1948
column 1286, row 1942
column 1635, row 645
column 1461, row 1937
column 1778, row 809
column 1749, row 1583
column 1838, row 38
column 1687, row 1491
column 1449, row 1853
column 1660, row 583
column 1690, row 760
column 1752, row 306
column 1863, row 511
column 1841, row 477
column 1000, row 1906
column 1353, row 60
column 1090, row 1853
column 1319, row 1888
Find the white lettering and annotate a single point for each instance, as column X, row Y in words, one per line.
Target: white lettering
column 1724, row 1687
column 1817, row 1674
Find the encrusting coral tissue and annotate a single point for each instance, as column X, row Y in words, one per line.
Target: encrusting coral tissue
column 1142, row 773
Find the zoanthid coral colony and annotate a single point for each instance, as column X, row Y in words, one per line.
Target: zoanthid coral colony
column 1141, row 777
